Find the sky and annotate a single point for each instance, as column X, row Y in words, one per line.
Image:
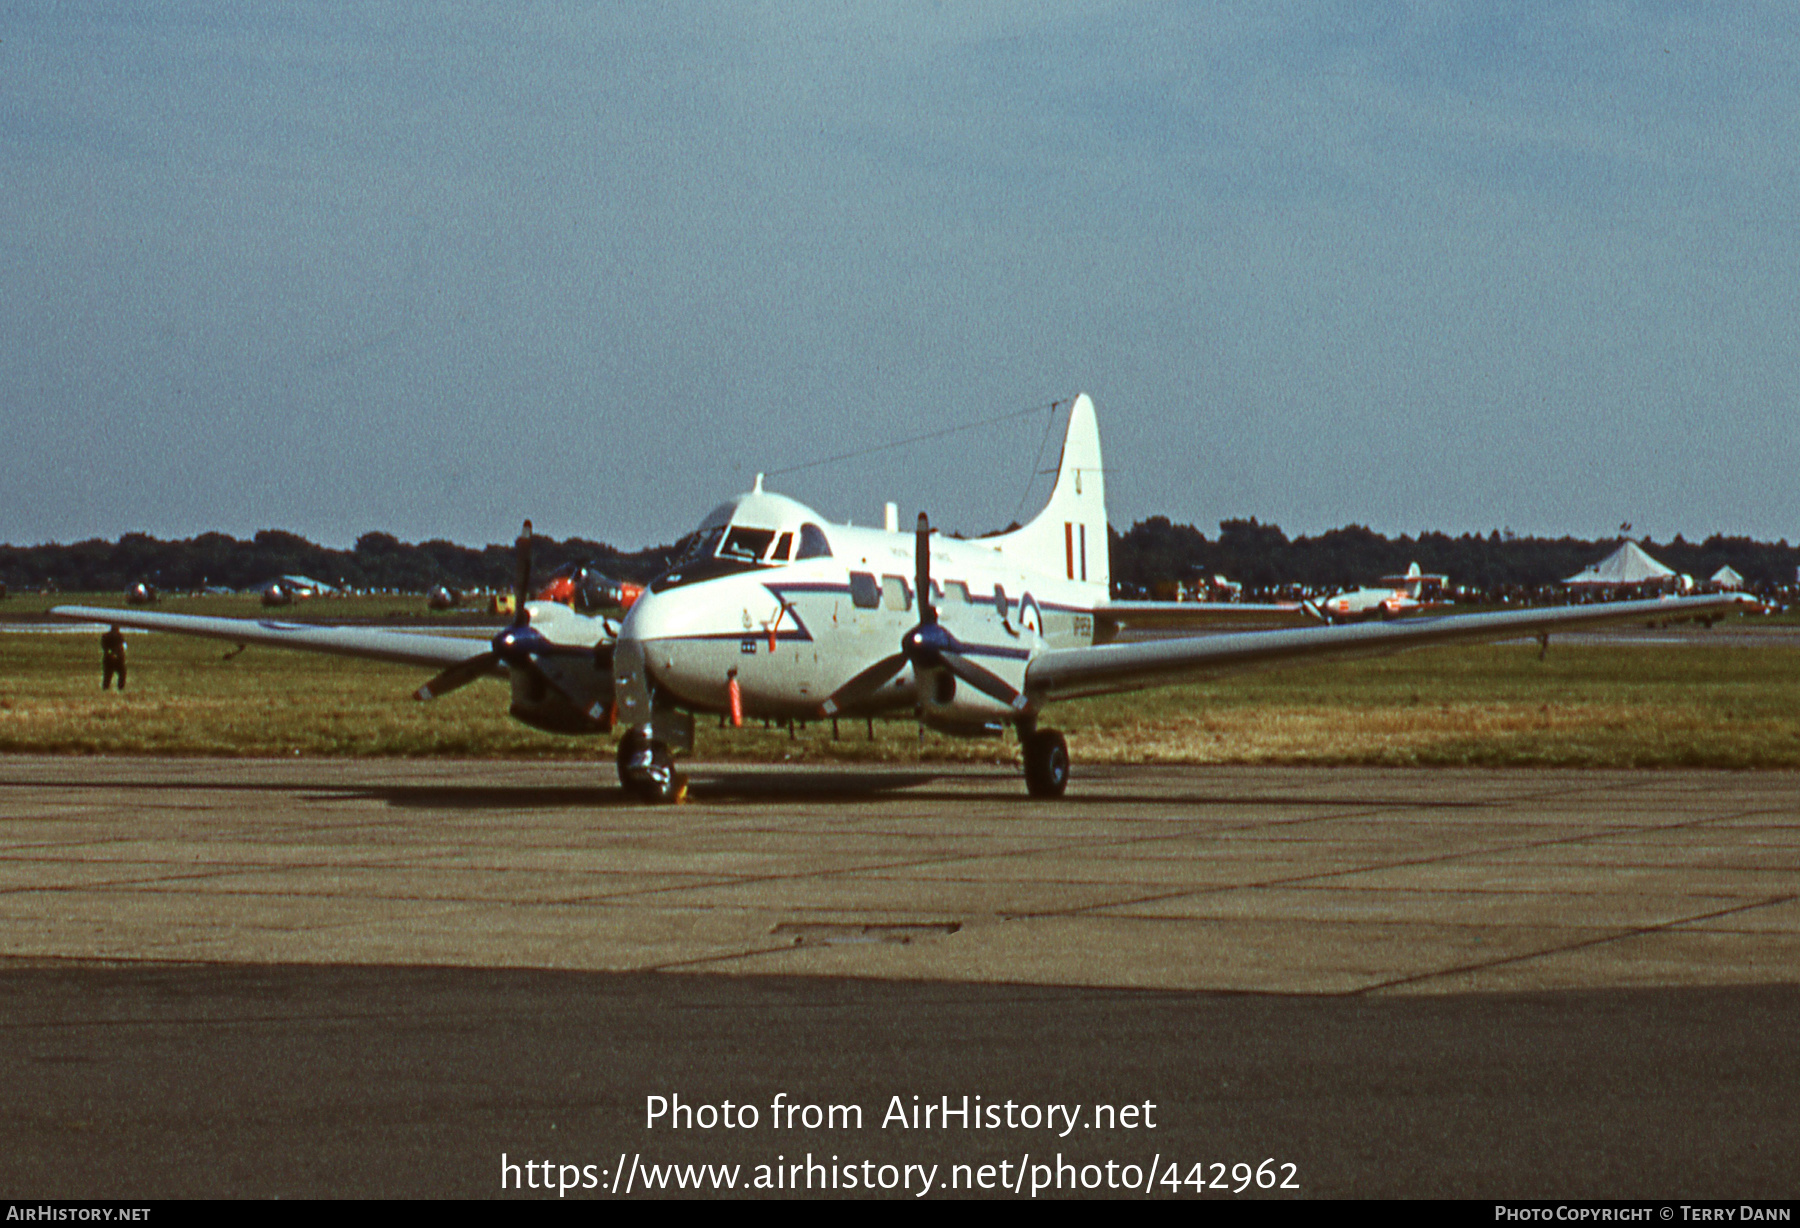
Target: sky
column 432, row 269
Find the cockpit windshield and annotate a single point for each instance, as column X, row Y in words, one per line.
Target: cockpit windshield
column 747, row 544
column 724, row 544
column 698, row 545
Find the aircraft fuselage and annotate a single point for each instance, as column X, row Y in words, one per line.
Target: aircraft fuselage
column 793, row 633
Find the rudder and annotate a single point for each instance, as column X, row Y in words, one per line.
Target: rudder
column 1069, row 537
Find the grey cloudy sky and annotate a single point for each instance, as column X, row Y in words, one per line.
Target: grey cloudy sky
column 430, row 269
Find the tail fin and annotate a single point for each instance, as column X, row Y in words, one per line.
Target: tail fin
column 1069, row 537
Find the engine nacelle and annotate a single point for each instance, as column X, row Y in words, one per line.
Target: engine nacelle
column 571, row 694
column 963, row 726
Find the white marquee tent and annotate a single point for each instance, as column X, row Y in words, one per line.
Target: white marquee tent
column 1628, row 565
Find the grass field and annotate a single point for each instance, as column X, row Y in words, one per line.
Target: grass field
column 390, row 607
column 1692, row 704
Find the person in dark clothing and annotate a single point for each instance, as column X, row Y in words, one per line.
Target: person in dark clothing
column 112, row 658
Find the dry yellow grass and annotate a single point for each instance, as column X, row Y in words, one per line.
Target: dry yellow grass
column 1578, row 734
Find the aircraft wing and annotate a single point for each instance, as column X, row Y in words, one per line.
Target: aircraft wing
column 1067, row 673
column 372, row 643
column 1137, row 618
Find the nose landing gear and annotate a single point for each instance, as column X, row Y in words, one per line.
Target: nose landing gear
column 647, row 770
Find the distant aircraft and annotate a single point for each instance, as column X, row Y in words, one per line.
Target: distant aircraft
column 285, row 590
column 142, row 593
column 1400, row 596
column 770, row 611
column 580, row 586
column 588, row 589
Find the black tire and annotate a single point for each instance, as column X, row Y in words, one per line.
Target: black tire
column 647, row 770
column 1046, row 764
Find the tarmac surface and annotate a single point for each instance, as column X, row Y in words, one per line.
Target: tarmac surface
column 354, row 977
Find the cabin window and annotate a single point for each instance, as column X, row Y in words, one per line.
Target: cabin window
column 784, row 546
column 864, row 592
column 747, row 544
column 812, row 543
column 894, row 593
column 956, row 591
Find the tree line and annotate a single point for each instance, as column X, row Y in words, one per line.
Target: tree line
column 378, row 561
column 1152, row 553
column 1500, row 564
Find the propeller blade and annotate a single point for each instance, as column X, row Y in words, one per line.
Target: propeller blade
column 862, row 688
column 983, row 680
column 459, row 675
column 522, row 579
column 922, row 571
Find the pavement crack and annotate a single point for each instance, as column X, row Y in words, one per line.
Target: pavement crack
column 1601, row 940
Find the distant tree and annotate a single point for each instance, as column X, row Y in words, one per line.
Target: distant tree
column 1151, row 552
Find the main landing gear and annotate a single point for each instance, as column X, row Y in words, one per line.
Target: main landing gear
column 1046, row 757
column 647, row 770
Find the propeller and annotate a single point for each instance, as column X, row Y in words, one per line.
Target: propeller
column 927, row 646
column 922, row 571
column 522, row 573
column 513, row 645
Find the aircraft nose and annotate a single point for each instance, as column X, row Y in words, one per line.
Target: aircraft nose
column 664, row 642
column 655, row 616
column 659, row 621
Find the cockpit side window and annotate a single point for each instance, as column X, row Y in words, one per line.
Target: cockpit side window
column 812, row 543
column 784, row 546
column 747, row 544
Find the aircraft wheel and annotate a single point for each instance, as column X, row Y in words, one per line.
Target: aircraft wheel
column 647, row 770
column 1046, row 763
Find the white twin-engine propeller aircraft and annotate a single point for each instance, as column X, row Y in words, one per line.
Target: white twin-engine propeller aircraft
column 1400, row 595
column 771, row 612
